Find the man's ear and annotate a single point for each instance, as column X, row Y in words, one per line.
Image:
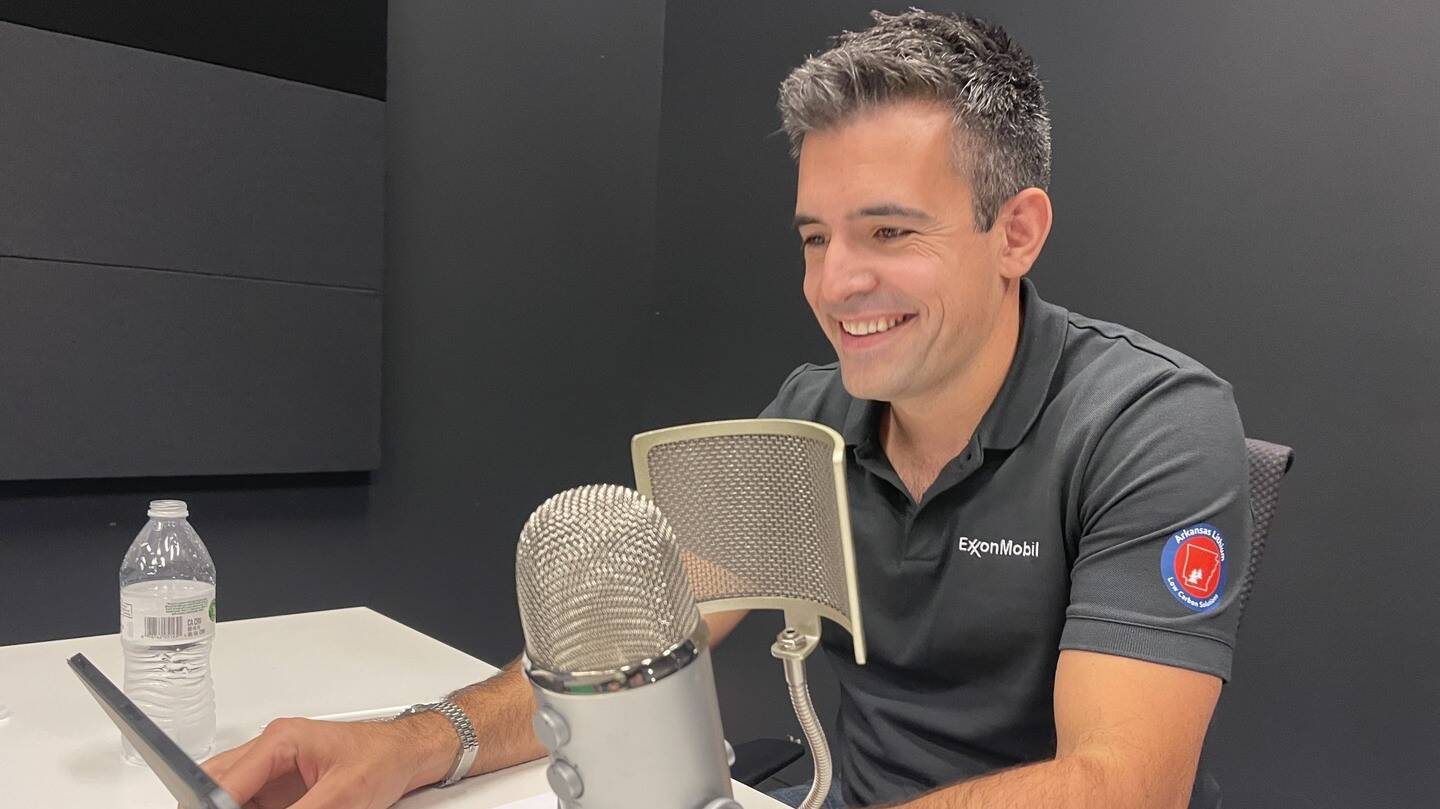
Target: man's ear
column 1020, row 229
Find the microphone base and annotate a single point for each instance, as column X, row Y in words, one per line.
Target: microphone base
column 661, row 745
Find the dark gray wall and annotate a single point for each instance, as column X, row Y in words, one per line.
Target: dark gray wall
column 119, row 156
column 113, row 371
column 261, row 245
column 167, row 219
column 521, row 147
column 338, row 44
column 1245, row 181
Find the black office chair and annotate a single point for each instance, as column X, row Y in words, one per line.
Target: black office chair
column 757, row 760
column 1268, row 465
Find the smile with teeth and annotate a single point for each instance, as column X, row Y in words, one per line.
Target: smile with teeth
column 860, row 328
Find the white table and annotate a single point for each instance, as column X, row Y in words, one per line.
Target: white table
column 58, row 749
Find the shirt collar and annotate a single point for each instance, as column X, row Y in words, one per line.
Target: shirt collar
column 1023, row 394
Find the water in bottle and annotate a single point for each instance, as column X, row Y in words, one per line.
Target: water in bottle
column 167, row 623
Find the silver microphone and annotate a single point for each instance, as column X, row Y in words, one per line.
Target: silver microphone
column 618, row 657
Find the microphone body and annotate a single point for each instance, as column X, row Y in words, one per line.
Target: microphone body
column 618, row 657
column 657, row 745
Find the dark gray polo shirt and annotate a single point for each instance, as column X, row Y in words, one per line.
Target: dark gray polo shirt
column 1102, row 504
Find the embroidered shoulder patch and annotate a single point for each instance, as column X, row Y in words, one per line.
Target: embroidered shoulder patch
column 1193, row 566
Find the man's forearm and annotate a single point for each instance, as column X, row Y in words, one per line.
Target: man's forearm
column 1074, row 782
column 500, row 708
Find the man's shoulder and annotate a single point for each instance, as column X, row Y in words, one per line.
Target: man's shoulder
column 1109, row 361
column 812, row 393
column 1115, row 387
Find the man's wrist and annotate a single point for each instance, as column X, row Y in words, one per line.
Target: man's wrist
column 465, row 731
column 435, row 743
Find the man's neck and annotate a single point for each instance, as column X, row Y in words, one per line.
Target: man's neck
column 930, row 429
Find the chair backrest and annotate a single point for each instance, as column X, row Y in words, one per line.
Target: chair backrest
column 1268, row 464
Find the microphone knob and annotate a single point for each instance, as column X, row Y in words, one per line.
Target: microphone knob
column 564, row 780
column 550, row 728
column 723, row 803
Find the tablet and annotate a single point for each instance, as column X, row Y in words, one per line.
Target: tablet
column 190, row 785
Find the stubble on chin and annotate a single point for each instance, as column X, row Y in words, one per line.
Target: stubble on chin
column 870, row 384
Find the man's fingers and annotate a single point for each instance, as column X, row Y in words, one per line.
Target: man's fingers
column 219, row 763
column 301, row 764
column 341, row 789
column 261, row 761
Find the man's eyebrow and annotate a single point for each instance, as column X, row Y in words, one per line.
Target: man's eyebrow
column 891, row 209
column 884, row 209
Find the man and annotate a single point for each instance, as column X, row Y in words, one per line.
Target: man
column 1049, row 511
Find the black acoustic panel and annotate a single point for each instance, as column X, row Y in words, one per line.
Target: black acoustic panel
column 114, row 155
column 333, row 43
column 115, row 372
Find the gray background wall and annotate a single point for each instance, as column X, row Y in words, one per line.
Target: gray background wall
column 190, row 256
column 194, row 255
column 521, row 145
column 581, row 245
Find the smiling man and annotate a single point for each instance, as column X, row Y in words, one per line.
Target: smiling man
column 1049, row 512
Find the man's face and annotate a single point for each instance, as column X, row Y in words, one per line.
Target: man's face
column 901, row 282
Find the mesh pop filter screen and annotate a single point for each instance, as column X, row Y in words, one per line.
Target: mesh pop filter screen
column 758, row 511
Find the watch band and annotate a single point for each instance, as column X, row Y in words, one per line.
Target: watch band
column 469, row 742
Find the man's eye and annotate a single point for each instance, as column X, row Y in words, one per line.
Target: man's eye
column 813, row 241
column 885, row 234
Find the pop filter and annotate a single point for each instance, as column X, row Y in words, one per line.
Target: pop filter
column 760, row 515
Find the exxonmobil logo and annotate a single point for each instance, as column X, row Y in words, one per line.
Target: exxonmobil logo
column 997, row 547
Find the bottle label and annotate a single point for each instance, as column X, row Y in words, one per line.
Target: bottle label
column 167, row 619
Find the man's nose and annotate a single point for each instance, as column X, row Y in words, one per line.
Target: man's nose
column 845, row 272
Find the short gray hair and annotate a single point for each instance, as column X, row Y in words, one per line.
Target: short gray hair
column 989, row 83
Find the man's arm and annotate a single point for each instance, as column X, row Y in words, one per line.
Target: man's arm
column 1128, row 736
column 309, row 764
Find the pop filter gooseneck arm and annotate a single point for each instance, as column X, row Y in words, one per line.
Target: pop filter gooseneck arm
column 791, row 647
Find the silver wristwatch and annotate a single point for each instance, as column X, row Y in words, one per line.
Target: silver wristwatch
column 469, row 744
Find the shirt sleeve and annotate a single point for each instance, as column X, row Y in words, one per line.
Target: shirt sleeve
column 1164, row 537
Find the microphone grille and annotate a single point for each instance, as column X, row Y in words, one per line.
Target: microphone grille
column 600, row 582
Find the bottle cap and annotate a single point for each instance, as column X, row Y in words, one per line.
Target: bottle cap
column 168, row 509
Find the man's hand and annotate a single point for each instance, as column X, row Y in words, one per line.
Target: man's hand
column 305, row 764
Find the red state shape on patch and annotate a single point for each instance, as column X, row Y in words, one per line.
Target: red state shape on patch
column 1197, row 566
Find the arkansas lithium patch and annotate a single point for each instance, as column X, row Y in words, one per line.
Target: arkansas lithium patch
column 1193, row 566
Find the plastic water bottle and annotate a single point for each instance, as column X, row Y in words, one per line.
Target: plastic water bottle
column 167, row 623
